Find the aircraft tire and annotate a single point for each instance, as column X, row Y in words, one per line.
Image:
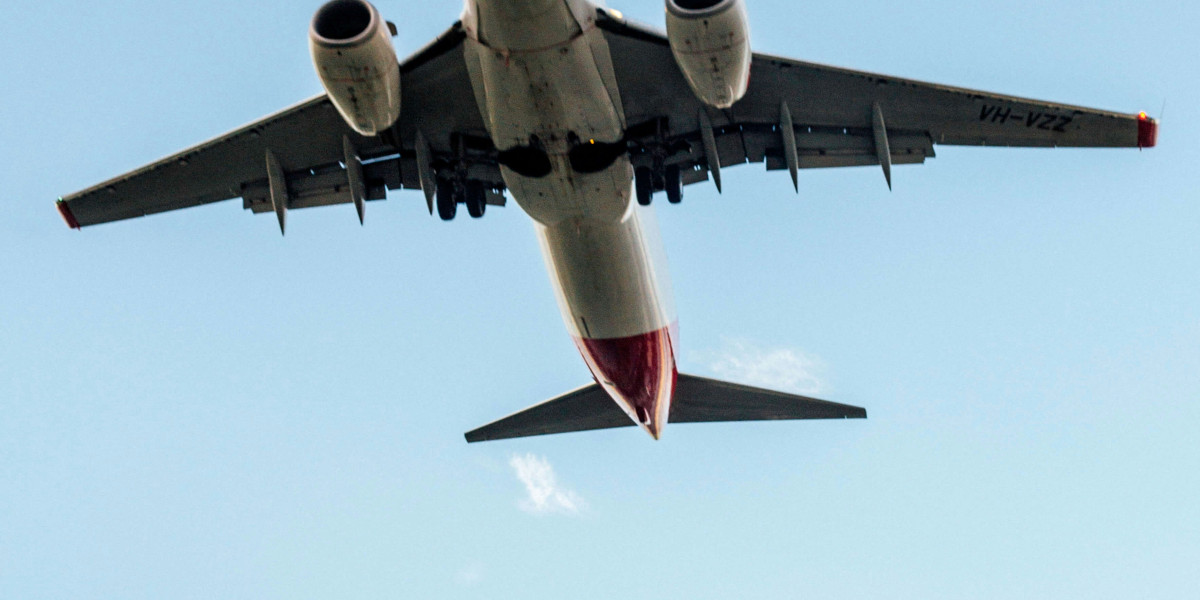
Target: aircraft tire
column 643, row 185
column 673, row 184
column 476, row 199
column 447, row 200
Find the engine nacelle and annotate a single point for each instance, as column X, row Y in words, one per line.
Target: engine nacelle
column 352, row 50
column 711, row 43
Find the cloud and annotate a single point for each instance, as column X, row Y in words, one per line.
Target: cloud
column 545, row 494
column 779, row 368
column 469, row 575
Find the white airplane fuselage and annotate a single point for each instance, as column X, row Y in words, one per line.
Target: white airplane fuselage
column 544, row 81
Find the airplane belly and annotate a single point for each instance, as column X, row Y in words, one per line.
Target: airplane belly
column 548, row 97
column 552, row 98
column 564, row 195
column 542, row 73
column 610, row 278
column 614, row 292
column 552, row 93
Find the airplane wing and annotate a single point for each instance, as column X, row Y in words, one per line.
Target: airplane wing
column 299, row 157
column 309, row 144
column 697, row 400
column 836, row 116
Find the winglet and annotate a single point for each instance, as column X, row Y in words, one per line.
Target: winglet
column 65, row 211
column 1147, row 131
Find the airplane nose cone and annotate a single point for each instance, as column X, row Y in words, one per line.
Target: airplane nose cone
column 638, row 372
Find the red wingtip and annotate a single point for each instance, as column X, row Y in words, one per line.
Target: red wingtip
column 65, row 211
column 1147, row 131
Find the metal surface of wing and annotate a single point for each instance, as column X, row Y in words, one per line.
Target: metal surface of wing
column 832, row 113
column 307, row 141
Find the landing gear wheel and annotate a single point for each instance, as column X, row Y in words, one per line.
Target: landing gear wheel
column 476, row 199
column 447, row 200
column 643, row 185
column 673, row 184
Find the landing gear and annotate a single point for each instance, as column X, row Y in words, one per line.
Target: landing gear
column 666, row 178
column 673, row 184
column 447, row 199
column 452, row 192
column 476, row 199
column 643, row 185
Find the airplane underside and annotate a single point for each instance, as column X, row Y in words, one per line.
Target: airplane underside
column 543, row 89
column 582, row 117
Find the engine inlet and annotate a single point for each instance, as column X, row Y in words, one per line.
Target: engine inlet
column 342, row 20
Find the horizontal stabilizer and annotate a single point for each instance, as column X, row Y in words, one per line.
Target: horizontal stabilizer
column 584, row 409
column 697, row 400
column 703, row 400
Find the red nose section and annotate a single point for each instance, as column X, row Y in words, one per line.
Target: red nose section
column 638, row 372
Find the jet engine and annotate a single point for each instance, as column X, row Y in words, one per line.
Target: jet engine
column 711, row 43
column 352, row 50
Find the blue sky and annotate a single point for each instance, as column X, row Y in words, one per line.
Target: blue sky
column 192, row 406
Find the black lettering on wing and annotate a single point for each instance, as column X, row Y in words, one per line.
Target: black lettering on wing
column 1061, row 126
column 1047, row 120
column 1032, row 118
column 986, row 112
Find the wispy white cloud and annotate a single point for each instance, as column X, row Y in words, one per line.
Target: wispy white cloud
column 469, row 575
column 544, row 493
column 780, row 368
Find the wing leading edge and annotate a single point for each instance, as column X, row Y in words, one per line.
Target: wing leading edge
column 837, row 117
column 310, row 142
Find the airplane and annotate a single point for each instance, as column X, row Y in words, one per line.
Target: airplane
column 583, row 117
